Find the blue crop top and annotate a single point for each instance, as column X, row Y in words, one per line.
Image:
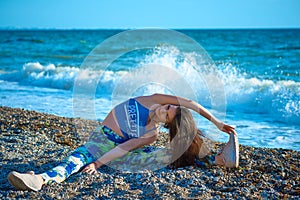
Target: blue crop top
column 132, row 118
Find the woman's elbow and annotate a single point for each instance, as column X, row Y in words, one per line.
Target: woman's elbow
column 151, row 139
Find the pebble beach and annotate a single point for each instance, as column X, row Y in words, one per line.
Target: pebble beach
column 33, row 141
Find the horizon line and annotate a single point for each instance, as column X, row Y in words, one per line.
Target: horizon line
column 133, row 28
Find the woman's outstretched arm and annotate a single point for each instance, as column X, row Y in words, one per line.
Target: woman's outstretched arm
column 120, row 151
column 176, row 100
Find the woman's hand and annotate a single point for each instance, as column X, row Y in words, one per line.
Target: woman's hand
column 225, row 128
column 90, row 168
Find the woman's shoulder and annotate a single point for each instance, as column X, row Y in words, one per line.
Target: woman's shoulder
column 146, row 101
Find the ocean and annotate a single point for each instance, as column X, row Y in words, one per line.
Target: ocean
column 257, row 71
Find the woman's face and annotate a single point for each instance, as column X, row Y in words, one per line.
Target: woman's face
column 166, row 113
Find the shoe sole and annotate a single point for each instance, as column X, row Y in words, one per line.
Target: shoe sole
column 234, row 162
column 230, row 152
column 14, row 178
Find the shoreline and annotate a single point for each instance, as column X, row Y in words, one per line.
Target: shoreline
column 37, row 141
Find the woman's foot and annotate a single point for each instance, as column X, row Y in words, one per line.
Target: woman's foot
column 229, row 157
column 28, row 181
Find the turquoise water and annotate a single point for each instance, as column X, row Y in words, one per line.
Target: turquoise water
column 259, row 70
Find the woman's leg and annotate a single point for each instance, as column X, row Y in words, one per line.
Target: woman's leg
column 228, row 157
column 207, row 161
column 71, row 165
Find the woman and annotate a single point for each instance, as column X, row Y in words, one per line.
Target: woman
column 130, row 126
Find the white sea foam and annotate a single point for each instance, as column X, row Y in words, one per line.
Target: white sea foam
column 48, row 76
column 243, row 92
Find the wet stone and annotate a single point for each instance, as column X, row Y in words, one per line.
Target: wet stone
column 35, row 141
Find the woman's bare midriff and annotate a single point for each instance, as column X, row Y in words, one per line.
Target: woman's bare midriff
column 111, row 122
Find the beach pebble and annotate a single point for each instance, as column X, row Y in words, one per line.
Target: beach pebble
column 37, row 141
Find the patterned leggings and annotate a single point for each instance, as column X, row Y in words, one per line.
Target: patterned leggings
column 71, row 165
column 148, row 157
column 100, row 142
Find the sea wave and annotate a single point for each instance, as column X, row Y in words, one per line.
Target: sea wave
column 48, row 76
column 246, row 94
column 281, row 99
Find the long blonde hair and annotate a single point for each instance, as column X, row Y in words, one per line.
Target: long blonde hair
column 185, row 142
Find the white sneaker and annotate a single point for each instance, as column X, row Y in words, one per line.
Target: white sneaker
column 230, row 152
column 25, row 181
